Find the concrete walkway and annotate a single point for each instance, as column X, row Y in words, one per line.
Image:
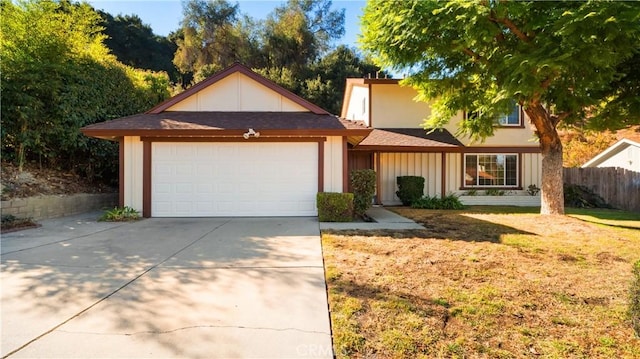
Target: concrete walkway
column 165, row 288
column 384, row 219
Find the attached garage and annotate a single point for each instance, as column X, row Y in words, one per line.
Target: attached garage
column 235, row 144
column 234, row 179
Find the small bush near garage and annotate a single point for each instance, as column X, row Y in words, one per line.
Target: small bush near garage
column 120, row 214
column 450, row 201
column 363, row 184
column 634, row 299
column 12, row 223
column 410, row 189
column 335, row 207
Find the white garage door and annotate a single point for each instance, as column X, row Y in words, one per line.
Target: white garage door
column 234, row 179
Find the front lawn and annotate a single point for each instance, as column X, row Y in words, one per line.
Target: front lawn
column 484, row 283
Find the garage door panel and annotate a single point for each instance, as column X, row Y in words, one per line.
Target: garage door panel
column 234, row 179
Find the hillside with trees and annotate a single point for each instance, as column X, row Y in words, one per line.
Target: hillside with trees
column 57, row 76
column 66, row 65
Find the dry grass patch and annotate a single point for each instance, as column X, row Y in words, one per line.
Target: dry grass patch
column 488, row 285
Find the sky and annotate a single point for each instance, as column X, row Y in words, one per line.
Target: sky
column 164, row 15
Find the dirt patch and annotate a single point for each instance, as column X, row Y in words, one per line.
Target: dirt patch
column 482, row 285
column 34, row 181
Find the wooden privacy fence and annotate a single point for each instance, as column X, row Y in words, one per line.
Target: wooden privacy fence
column 617, row 186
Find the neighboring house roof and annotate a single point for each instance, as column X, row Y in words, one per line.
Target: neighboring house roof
column 610, row 152
column 186, row 123
column 247, row 72
column 409, row 139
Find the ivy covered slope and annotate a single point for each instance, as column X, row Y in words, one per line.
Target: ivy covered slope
column 566, row 63
column 57, row 76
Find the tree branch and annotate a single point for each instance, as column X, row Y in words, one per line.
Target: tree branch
column 471, row 53
column 512, row 27
column 559, row 118
column 546, row 82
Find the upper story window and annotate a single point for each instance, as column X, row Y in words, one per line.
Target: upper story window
column 513, row 119
column 490, row 170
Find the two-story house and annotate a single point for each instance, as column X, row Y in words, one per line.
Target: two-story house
column 237, row 144
column 509, row 161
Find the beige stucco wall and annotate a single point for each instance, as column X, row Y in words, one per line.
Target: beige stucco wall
column 392, row 106
column 358, row 106
column 392, row 165
column 509, row 136
column 237, row 92
column 133, row 150
column 333, row 164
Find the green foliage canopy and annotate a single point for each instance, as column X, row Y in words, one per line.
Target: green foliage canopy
column 481, row 55
column 564, row 62
column 57, row 76
column 134, row 44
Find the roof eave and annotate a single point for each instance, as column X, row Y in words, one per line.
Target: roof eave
column 452, row 149
column 115, row 133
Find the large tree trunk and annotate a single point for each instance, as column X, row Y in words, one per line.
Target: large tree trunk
column 551, row 147
column 552, row 191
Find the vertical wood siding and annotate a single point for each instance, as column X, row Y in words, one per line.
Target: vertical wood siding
column 427, row 165
column 133, row 172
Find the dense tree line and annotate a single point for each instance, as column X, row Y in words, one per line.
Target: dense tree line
column 66, row 65
column 57, row 76
column 292, row 46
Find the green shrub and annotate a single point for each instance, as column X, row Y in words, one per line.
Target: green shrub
column 363, row 184
column 533, row 190
column 582, row 197
column 450, row 201
column 634, row 299
column 494, row 192
column 410, row 189
column 335, row 207
column 10, row 221
column 471, row 192
column 120, row 214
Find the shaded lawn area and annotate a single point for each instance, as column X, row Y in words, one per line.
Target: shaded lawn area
column 483, row 283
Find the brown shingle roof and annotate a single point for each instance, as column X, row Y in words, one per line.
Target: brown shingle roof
column 179, row 123
column 388, row 138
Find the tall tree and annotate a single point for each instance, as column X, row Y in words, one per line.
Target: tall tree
column 297, row 32
column 561, row 61
column 325, row 84
column 213, row 35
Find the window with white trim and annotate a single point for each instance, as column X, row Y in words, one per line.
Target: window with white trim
column 490, row 170
column 513, row 119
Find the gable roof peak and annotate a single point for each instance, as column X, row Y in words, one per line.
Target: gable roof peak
column 238, row 68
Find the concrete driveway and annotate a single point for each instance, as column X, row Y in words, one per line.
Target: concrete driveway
column 162, row 288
